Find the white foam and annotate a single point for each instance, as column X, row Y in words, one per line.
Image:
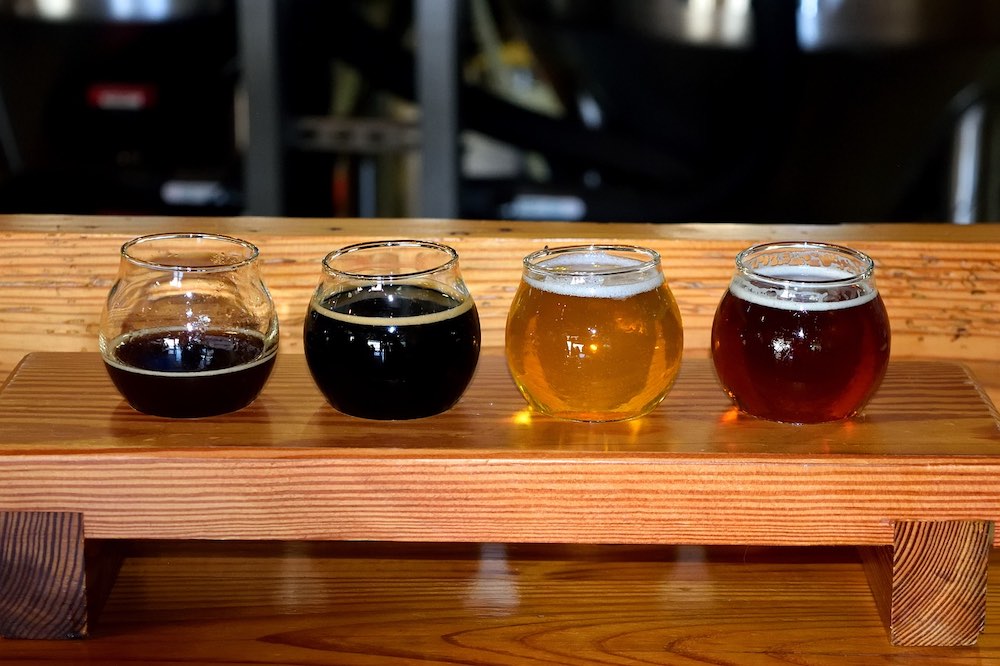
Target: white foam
column 415, row 320
column 595, row 285
column 809, row 292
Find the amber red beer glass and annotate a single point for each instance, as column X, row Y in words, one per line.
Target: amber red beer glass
column 594, row 333
column 802, row 335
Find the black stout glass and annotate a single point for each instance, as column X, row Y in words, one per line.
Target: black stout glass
column 391, row 331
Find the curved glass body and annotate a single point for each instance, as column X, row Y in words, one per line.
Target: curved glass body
column 188, row 328
column 391, row 331
column 594, row 332
column 802, row 335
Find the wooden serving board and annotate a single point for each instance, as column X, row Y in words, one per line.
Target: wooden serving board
column 694, row 471
column 916, row 477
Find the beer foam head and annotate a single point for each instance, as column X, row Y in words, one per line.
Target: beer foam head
column 594, row 275
column 809, row 288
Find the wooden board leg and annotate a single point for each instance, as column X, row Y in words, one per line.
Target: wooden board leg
column 42, row 575
column 930, row 585
column 104, row 560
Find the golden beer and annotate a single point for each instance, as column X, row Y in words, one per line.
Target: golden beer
column 594, row 333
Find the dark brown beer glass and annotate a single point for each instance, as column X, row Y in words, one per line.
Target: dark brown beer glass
column 802, row 335
column 188, row 328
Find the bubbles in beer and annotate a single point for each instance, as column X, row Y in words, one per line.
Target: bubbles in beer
column 606, row 276
column 393, row 307
column 803, row 288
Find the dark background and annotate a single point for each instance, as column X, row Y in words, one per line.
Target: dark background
column 857, row 125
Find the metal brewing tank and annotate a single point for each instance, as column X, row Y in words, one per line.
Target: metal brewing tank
column 820, row 110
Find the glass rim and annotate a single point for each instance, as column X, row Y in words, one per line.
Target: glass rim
column 252, row 250
column 534, row 261
column 866, row 273
column 451, row 253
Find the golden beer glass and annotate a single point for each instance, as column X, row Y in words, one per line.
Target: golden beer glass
column 594, row 332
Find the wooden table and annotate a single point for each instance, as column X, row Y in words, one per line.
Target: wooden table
column 915, row 480
column 396, row 604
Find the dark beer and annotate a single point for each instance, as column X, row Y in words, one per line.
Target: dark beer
column 178, row 373
column 392, row 352
column 801, row 362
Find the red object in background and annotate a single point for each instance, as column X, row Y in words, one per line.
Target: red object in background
column 121, row 96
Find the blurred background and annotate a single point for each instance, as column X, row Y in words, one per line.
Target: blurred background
column 815, row 111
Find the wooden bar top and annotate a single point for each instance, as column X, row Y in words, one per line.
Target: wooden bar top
column 376, row 604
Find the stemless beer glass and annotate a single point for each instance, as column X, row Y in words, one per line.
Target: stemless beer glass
column 802, row 335
column 392, row 331
column 594, row 333
column 188, row 328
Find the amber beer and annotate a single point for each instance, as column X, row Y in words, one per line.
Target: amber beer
column 594, row 333
column 802, row 335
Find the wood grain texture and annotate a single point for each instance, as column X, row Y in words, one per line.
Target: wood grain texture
column 878, row 565
column 930, row 585
column 939, row 581
column 694, row 471
column 42, row 581
column 940, row 282
column 103, row 559
column 374, row 604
